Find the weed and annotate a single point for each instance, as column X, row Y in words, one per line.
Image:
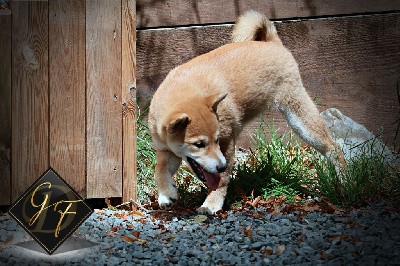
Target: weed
column 277, row 189
column 367, row 176
column 275, row 167
column 281, row 166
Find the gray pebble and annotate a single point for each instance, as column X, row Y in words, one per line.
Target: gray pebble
column 261, row 231
column 256, row 245
column 238, row 239
column 273, row 229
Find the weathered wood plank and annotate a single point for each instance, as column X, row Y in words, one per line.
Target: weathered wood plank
column 152, row 13
column 30, row 101
column 351, row 63
column 67, row 91
column 5, row 109
column 128, row 87
column 159, row 51
column 104, row 120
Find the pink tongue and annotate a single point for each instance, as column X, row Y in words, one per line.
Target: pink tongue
column 212, row 179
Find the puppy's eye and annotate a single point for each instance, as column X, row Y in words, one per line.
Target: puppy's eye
column 199, row 144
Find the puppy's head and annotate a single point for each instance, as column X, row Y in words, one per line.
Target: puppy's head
column 193, row 134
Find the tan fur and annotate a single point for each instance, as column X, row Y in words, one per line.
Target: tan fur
column 253, row 76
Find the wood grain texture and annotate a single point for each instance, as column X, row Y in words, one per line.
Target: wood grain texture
column 29, row 94
column 151, row 13
column 67, row 91
column 159, row 51
column 128, row 87
column 351, row 63
column 5, row 109
column 104, row 119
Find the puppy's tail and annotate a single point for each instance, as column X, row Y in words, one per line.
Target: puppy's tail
column 253, row 26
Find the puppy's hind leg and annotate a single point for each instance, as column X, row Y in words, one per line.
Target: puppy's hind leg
column 304, row 118
column 167, row 165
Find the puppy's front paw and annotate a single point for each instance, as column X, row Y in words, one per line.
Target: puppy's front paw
column 207, row 210
column 165, row 202
column 212, row 204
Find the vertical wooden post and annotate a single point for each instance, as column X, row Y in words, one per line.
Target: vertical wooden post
column 67, row 91
column 30, row 102
column 128, row 86
column 5, row 109
column 103, row 76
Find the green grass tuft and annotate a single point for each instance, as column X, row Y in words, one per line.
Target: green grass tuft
column 366, row 179
column 275, row 167
column 281, row 166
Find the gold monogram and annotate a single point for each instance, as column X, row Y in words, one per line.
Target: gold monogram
column 40, row 216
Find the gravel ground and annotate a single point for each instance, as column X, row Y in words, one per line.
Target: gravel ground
column 365, row 236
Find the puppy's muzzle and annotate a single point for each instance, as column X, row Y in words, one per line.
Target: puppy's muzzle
column 221, row 168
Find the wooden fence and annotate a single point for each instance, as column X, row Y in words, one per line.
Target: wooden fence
column 67, row 73
column 348, row 51
column 68, row 96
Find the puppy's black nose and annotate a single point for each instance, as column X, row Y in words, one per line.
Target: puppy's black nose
column 222, row 168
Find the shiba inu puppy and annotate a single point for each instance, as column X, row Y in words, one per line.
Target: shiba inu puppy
column 200, row 108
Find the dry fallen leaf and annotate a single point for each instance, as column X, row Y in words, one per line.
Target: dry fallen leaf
column 333, row 237
column 247, row 231
column 298, row 198
column 328, row 207
column 109, row 206
column 270, row 200
column 164, row 231
column 99, row 212
column 169, row 239
column 111, row 233
column 137, row 214
column 256, row 201
column 280, row 199
column 115, row 228
column 136, row 234
column 128, row 239
column 267, row 251
column 108, row 202
column 258, row 215
column 6, row 242
column 276, row 212
column 311, row 208
column 142, row 242
column 280, row 249
column 124, row 216
column 221, row 214
column 156, row 215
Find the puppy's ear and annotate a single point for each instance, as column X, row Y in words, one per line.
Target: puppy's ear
column 177, row 122
column 214, row 100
